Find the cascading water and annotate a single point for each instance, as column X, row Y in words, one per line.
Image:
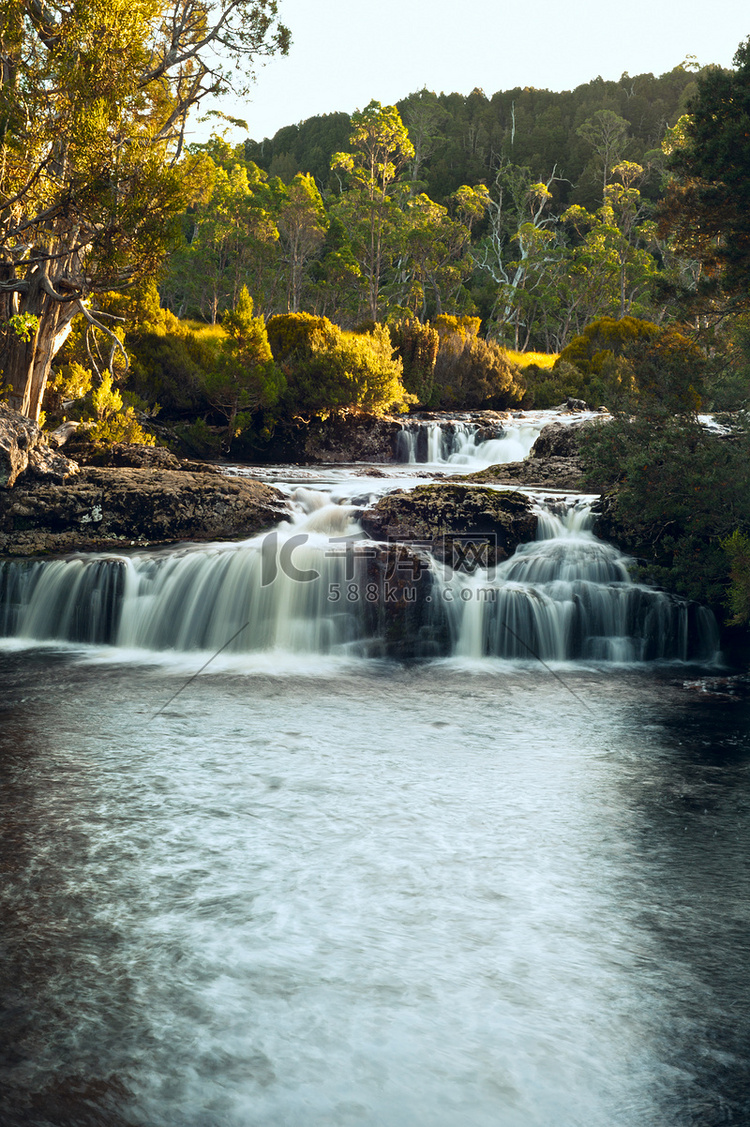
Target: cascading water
column 306, row 589
column 568, row 596
column 458, row 442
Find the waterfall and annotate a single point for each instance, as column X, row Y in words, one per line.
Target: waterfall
column 568, row 596
column 316, row 587
column 459, row 442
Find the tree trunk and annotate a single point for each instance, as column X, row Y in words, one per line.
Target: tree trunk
column 27, row 364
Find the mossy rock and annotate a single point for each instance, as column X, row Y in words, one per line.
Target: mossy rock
column 454, row 522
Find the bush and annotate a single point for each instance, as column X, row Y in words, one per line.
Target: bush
column 678, row 493
column 737, row 549
column 295, row 335
column 416, row 345
column 113, row 422
column 629, row 365
column 244, row 377
column 327, row 369
column 470, row 372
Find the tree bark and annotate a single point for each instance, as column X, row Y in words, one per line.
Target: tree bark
column 27, row 364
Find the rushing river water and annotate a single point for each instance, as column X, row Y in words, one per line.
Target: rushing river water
column 311, row 889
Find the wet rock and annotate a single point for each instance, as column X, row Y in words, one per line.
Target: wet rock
column 455, row 522
column 562, row 440
column 351, row 437
column 541, row 473
column 110, row 508
column 404, row 615
column 25, row 451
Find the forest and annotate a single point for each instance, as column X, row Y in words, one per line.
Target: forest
column 450, row 252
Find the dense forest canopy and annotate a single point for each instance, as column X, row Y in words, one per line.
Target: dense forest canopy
column 461, row 224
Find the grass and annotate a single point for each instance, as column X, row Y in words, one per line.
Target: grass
column 525, row 359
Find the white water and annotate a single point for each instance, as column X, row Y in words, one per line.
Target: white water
column 456, row 442
column 306, row 590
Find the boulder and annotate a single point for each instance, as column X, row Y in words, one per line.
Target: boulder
column 25, row 451
column 111, row 508
column 459, row 524
column 562, row 440
column 404, row 616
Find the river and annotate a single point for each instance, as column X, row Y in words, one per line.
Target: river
column 321, row 889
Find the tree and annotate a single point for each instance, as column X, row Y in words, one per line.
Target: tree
column 707, row 209
column 302, row 226
column 94, row 99
column 382, row 147
column 245, row 377
column 607, row 133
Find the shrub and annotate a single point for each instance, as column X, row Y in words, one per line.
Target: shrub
column 632, row 364
column 678, row 493
column 327, row 369
column 113, row 422
column 416, row 345
column 244, row 377
column 470, row 372
column 737, row 549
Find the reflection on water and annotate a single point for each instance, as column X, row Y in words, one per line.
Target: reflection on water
column 397, row 897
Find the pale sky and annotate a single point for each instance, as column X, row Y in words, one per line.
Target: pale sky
column 345, row 53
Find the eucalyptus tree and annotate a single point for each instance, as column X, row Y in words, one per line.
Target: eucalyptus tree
column 382, row 148
column 94, row 103
column 302, row 225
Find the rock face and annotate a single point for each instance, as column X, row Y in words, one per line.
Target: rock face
column 25, row 450
column 561, row 440
column 454, row 522
column 110, row 508
column 351, row 438
column 404, row 618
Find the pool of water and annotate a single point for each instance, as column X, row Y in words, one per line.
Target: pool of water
column 454, row 895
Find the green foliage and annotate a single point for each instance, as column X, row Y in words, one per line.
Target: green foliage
column 114, row 422
column 245, row 377
column 470, row 372
column 545, row 388
column 198, row 439
column 737, row 548
column 94, row 99
column 72, row 381
column 328, row 369
column 629, row 363
column 22, row 326
column 294, row 335
column 603, row 339
column 416, row 345
column 678, row 493
column 728, row 376
column 707, row 210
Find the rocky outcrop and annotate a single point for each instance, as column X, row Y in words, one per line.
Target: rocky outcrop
column 131, row 455
column 403, row 615
column 454, row 522
column 563, row 440
column 25, row 451
column 351, row 437
column 110, row 508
